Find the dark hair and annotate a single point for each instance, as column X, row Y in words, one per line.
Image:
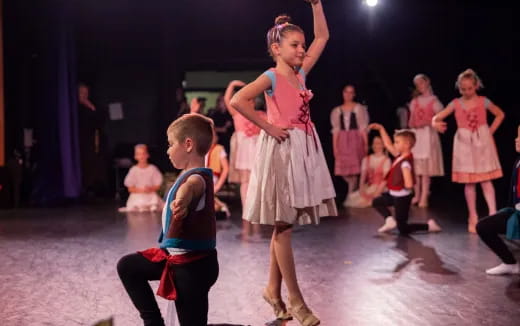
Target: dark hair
column 282, row 26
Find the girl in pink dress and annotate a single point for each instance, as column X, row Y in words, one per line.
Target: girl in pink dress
column 427, row 153
column 349, row 138
column 243, row 150
column 374, row 167
column 290, row 182
column 475, row 158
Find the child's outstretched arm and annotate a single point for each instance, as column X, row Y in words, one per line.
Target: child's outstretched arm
column 229, row 93
column 191, row 189
column 321, row 36
column 243, row 102
column 499, row 117
column 386, row 139
column 437, row 120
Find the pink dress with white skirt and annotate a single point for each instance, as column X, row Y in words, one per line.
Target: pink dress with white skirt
column 427, row 152
column 475, row 157
column 290, row 181
column 376, row 167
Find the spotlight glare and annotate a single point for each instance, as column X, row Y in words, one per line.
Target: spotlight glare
column 371, row 3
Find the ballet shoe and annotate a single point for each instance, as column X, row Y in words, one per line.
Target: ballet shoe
column 423, row 204
column 280, row 311
column 415, row 201
column 304, row 315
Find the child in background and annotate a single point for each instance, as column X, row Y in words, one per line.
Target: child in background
column 427, row 153
column 217, row 161
column 143, row 181
column 349, row 138
column 399, row 180
column 243, row 153
column 186, row 262
column 475, row 158
column 374, row 167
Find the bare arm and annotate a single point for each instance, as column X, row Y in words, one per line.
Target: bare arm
column 223, row 175
column 321, row 36
column 407, row 176
column 363, row 177
column 386, row 139
column 191, row 189
column 229, row 93
column 499, row 117
column 243, row 102
column 437, row 120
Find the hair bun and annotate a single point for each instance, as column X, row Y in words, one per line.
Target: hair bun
column 282, row 19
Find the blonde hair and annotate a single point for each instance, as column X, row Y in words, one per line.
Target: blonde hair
column 469, row 74
column 282, row 26
column 194, row 126
column 415, row 91
column 406, row 134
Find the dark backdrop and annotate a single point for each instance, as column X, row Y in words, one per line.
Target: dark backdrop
column 136, row 52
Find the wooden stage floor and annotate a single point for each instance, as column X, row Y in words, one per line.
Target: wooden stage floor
column 58, row 268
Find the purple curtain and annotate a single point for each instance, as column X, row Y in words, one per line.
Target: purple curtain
column 57, row 174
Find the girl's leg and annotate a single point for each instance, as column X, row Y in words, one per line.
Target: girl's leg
column 274, row 285
column 285, row 259
column 425, row 190
column 244, row 184
column 351, row 181
column 273, row 292
column 489, row 194
column 470, row 192
column 135, row 271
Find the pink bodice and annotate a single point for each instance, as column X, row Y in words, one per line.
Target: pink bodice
column 244, row 125
column 470, row 118
column 288, row 106
column 375, row 175
column 421, row 116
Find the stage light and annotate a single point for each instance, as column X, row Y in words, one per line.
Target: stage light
column 371, row 3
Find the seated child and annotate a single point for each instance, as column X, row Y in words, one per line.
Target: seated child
column 143, row 180
column 374, row 167
column 186, row 260
column 217, row 161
